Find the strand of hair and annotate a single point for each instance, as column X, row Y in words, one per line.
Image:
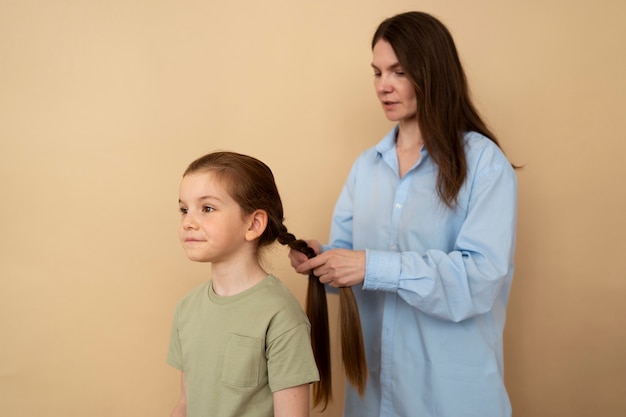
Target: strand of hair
column 352, row 348
column 317, row 311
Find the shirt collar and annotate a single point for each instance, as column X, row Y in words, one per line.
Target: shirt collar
column 388, row 142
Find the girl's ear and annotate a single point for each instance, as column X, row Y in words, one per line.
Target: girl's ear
column 257, row 222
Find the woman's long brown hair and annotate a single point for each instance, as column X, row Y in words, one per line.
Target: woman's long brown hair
column 426, row 52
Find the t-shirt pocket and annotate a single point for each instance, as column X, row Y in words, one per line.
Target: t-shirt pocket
column 242, row 361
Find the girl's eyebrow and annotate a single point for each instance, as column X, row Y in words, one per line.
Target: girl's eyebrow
column 202, row 198
column 209, row 197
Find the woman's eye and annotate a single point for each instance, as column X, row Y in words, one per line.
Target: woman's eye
column 183, row 210
column 399, row 72
column 208, row 209
column 377, row 74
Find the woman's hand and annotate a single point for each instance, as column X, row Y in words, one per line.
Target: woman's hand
column 335, row 267
column 296, row 257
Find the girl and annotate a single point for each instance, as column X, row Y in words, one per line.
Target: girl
column 241, row 341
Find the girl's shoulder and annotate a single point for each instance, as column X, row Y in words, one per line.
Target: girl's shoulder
column 277, row 293
column 195, row 295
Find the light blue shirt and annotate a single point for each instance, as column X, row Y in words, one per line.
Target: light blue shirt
column 437, row 282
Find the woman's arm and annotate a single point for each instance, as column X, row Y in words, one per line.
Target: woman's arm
column 475, row 272
column 180, row 410
column 292, row 402
column 448, row 270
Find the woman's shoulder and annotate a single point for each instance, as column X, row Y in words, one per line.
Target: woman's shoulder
column 373, row 154
column 483, row 153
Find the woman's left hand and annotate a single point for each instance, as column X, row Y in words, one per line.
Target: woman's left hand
column 337, row 267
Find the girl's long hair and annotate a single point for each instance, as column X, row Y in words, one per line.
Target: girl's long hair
column 352, row 348
column 316, row 309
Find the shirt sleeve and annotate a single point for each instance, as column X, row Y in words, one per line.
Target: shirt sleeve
column 290, row 360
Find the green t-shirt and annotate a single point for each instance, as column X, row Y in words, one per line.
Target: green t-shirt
column 235, row 351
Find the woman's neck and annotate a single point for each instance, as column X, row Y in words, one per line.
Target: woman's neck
column 409, row 135
column 408, row 145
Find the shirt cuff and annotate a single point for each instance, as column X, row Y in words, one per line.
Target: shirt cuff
column 382, row 270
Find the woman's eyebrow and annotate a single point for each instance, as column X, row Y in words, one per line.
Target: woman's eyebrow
column 391, row 67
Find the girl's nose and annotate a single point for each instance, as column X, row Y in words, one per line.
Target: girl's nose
column 189, row 223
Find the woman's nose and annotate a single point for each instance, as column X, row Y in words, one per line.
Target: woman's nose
column 382, row 84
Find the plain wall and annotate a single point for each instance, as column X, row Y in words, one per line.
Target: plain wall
column 103, row 104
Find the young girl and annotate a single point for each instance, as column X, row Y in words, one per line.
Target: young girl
column 241, row 340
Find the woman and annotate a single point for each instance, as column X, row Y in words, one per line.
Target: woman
column 424, row 233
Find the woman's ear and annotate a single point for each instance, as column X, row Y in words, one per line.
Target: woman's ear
column 256, row 225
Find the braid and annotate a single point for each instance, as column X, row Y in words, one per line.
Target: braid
column 352, row 348
column 317, row 311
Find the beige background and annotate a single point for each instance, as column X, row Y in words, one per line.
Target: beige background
column 104, row 102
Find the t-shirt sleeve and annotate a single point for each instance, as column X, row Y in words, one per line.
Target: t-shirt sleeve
column 290, row 360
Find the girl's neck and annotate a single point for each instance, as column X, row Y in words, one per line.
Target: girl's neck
column 236, row 277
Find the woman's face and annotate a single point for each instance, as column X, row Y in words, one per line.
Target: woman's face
column 393, row 88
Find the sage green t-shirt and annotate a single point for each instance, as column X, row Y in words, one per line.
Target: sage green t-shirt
column 235, row 351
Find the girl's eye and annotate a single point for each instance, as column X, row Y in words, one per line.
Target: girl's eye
column 183, row 210
column 399, row 72
column 208, row 209
column 377, row 74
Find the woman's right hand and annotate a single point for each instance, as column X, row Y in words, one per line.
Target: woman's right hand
column 296, row 257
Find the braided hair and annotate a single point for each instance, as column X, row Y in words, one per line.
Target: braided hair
column 352, row 348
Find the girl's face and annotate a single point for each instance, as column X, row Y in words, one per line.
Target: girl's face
column 212, row 225
column 393, row 88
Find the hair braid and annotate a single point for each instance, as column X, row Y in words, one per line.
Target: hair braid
column 317, row 310
column 352, row 348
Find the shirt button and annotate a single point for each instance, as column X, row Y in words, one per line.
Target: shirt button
column 393, row 247
column 398, row 205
